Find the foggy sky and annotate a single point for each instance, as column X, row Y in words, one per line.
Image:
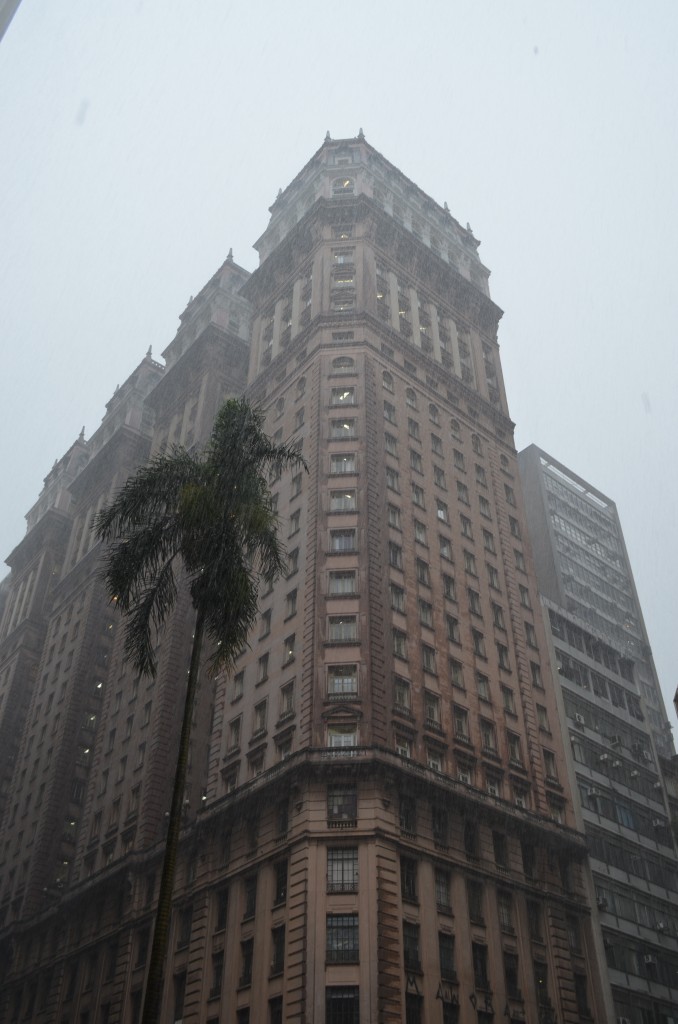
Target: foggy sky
column 141, row 139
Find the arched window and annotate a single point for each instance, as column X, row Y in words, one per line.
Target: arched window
column 411, row 398
column 343, row 186
column 301, row 386
column 387, row 380
column 476, row 444
column 343, row 363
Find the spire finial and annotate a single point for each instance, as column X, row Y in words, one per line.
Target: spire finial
column 81, row 436
column 150, row 352
column 361, row 135
column 327, row 136
column 230, row 256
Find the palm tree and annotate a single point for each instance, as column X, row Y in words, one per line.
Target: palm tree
column 208, row 517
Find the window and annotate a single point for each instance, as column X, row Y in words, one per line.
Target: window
column 511, row 975
column 434, row 759
column 466, row 527
column 460, row 716
column 530, row 635
column 342, row 805
column 520, row 560
column 449, row 588
column 542, row 718
column 292, row 562
column 344, row 428
column 481, row 478
column 342, row 464
column 411, row 946
column 484, row 507
column 420, row 532
column 413, row 430
column 400, row 644
column 474, row 895
column 408, row 879
column 416, row 462
column 401, row 693
column 342, row 541
column 342, row 939
column 500, row 849
column 436, row 445
column 446, row 548
column 439, row 478
column 456, row 672
column 479, row 957
column 277, row 949
column 387, row 381
column 217, row 974
column 474, row 602
column 397, row 598
column 478, row 643
column 443, row 890
column 503, row 657
column 395, row 555
column 550, row 765
column 492, row 577
column 342, row 869
column 425, row 613
column 410, row 398
column 342, row 735
column 234, row 731
column 432, row 709
column 446, row 956
column 514, row 748
column 462, row 493
column 342, row 396
column 296, row 485
column 389, row 412
column 524, row 596
column 343, row 628
column 342, row 681
column 184, row 927
column 343, row 501
column 423, row 573
column 470, row 563
column 418, row 495
column 408, row 814
column 510, row 495
column 581, row 995
column 259, row 725
column 453, row 633
column 482, row 686
column 393, row 479
column 488, row 736
column 498, row 617
column 246, row 952
column 442, row 512
column 262, row 668
column 265, row 624
column 514, row 527
column 393, row 517
column 403, row 746
column 508, row 699
column 342, row 1004
column 289, row 648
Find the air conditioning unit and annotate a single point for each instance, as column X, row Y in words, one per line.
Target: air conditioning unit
column 603, row 757
column 649, row 960
column 616, row 764
column 579, row 719
column 635, row 773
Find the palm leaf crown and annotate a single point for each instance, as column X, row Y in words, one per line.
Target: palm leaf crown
column 207, row 513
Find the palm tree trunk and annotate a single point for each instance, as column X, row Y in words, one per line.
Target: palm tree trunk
column 163, row 914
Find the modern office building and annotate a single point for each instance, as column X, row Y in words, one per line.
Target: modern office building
column 620, row 739
column 379, row 825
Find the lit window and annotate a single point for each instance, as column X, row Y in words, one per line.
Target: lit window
column 342, row 396
column 342, row 735
column 288, row 649
column 343, row 186
column 345, row 463
column 343, row 628
column 342, row 501
column 342, row 429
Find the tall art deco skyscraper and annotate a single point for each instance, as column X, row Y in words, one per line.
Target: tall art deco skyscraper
column 378, row 820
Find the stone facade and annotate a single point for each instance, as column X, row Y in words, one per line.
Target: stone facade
column 379, row 824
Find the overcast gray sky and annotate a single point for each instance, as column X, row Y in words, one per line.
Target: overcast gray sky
column 140, row 139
